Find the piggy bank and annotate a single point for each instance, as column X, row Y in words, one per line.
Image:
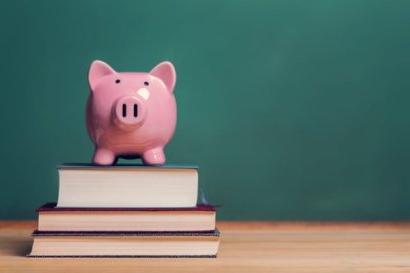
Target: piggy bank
column 131, row 114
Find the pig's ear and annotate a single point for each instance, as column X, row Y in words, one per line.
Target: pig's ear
column 165, row 71
column 98, row 69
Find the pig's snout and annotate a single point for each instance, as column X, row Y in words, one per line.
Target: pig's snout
column 129, row 112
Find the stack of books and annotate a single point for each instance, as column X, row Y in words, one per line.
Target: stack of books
column 126, row 211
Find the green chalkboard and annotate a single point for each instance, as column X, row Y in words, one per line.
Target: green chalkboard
column 292, row 109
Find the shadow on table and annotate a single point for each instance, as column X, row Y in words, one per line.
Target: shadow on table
column 23, row 249
column 16, row 246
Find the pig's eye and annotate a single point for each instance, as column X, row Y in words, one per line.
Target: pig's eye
column 117, row 81
column 146, row 83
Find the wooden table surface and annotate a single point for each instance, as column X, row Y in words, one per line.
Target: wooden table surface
column 250, row 247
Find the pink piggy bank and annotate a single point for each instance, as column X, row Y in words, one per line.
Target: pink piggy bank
column 131, row 114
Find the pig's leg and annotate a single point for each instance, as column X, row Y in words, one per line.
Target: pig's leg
column 154, row 156
column 103, row 157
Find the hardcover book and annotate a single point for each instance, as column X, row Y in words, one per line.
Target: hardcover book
column 125, row 244
column 123, row 186
column 198, row 218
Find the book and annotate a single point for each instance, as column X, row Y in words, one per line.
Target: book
column 123, row 186
column 198, row 218
column 129, row 244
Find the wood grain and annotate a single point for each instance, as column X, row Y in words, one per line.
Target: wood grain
column 246, row 247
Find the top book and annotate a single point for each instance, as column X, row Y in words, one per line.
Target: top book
column 127, row 186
